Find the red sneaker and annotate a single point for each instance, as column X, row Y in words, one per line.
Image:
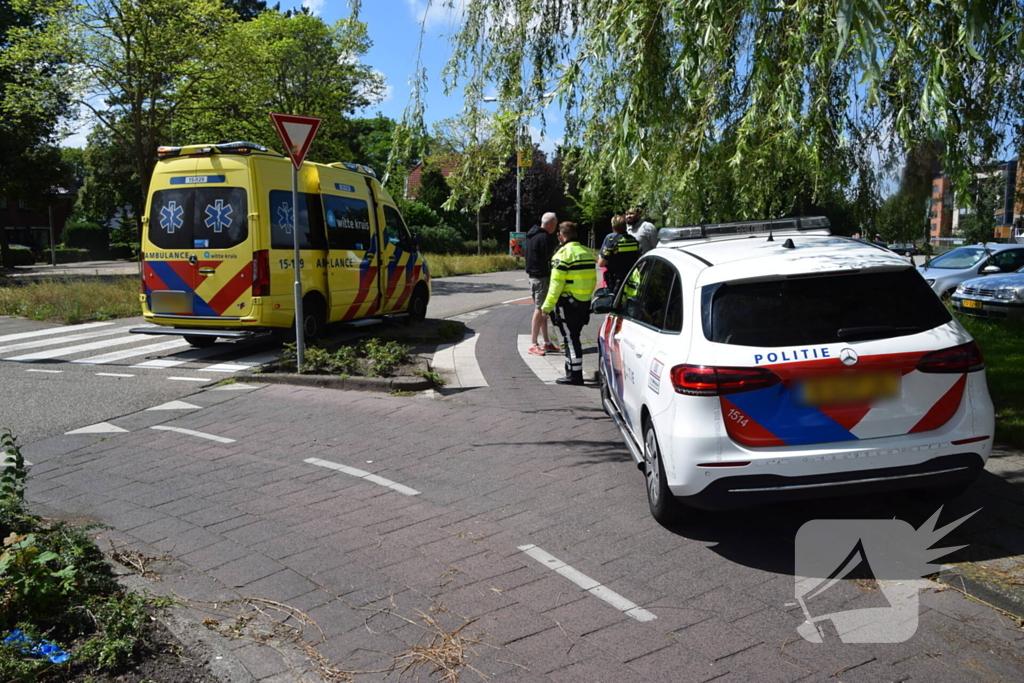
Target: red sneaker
column 551, row 346
column 536, row 351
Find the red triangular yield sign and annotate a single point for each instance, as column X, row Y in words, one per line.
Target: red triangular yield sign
column 297, row 133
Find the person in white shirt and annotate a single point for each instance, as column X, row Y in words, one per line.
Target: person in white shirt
column 643, row 231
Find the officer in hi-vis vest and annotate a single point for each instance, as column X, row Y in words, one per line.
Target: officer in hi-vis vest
column 573, row 278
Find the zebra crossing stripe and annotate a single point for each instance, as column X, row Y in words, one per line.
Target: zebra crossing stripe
column 181, row 358
column 242, row 363
column 130, row 353
column 53, row 341
column 72, row 350
column 51, row 330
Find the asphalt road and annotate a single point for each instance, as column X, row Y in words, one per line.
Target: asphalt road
column 50, row 397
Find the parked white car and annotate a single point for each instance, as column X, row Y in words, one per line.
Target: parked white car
column 943, row 273
column 752, row 362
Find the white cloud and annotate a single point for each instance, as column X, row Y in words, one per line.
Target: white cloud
column 436, row 13
column 314, row 5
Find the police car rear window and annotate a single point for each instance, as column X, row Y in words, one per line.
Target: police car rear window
column 199, row 218
column 821, row 310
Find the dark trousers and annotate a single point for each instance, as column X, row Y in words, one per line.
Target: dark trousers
column 572, row 315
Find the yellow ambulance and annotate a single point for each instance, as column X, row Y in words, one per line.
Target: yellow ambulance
column 217, row 245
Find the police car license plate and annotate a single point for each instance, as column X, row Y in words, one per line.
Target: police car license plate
column 852, row 388
column 970, row 303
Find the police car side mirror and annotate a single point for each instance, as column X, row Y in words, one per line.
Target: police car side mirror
column 991, row 270
column 603, row 303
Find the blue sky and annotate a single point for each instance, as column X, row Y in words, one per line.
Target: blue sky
column 394, row 28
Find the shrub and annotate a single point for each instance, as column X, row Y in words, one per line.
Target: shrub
column 384, row 357
column 128, row 251
column 441, row 239
column 71, row 255
column 85, row 235
column 420, row 214
column 490, row 246
column 21, row 257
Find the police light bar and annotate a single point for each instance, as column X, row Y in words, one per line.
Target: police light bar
column 802, row 224
column 357, row 168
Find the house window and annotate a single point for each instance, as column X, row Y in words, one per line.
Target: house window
column 935, row 189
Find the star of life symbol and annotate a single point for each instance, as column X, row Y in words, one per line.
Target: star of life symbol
column 218, row 216
column 890, row 550
column 170, row 217
column 285, row 217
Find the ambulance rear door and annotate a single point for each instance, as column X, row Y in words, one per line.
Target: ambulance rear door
column 199, row 265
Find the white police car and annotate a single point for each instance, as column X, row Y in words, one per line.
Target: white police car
column 750, row 362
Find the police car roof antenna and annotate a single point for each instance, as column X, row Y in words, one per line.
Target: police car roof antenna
column 788, row 244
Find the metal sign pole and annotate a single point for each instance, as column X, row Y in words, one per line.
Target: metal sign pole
column 300, row 342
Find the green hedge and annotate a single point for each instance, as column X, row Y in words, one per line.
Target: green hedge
column 72, row 255
column 83, row 235
column 124, row 251
column 22, row 257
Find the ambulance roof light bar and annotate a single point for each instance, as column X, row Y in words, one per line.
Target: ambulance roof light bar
column 357, row 168
column 206, row 150
column 802, row 224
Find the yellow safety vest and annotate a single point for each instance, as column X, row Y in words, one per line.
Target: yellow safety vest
column 572, row 274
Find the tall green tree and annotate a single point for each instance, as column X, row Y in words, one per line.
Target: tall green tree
column 33, row 100
column 798, row 90
column 133, row 63
column 978, row 225
column 478, row 164
column 293, row 64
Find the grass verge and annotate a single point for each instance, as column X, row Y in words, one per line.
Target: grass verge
column 1002, row 342
column 72, row 301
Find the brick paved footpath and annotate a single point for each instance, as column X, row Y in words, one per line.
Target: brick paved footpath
column 515, row 464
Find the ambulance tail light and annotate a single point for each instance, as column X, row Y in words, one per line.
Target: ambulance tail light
column 261, row 273
column 954, row 360
column 704, row 380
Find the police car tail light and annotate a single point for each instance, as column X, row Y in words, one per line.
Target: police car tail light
column 261, row 273
column 704, row 380
column 956, row 359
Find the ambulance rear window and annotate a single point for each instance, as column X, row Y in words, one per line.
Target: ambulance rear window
column 821, row 309
column 199, row 218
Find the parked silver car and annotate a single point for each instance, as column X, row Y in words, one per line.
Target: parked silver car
column 945, row 272
column 995, row 296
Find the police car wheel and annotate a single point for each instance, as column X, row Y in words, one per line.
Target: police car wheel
column 606, row 393
column 664, row 506
column 200, row 341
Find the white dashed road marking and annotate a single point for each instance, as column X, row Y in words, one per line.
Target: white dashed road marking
column 48, row 372
column 112, row 374
column 188, row 379
column 175, row 405
column 201, row 435
column 548, row 368
column 363, row 475
column 588, row 584
column 458, row 365
column 181, row 358
column 98, row 428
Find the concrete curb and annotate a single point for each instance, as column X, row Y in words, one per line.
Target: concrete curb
column 975, row 582
column 382, row 384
